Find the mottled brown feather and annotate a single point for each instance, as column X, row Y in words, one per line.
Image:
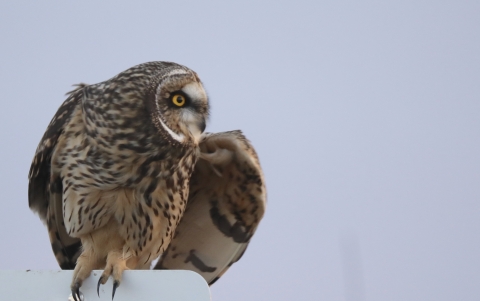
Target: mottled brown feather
column 45, row 191
column 227, row 201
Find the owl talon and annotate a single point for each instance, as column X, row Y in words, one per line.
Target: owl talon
column 116, row 284
column 76, row 292
column 98, row 285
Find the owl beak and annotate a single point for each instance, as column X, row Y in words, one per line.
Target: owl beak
column 202, row 125
column 196, row 127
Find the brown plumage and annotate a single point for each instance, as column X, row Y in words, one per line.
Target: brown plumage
column 111, row 176
column 226, row 203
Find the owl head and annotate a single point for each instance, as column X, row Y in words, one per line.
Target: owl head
column 179, row 105
column 147, row 105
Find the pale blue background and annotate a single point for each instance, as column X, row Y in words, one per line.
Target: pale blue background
column 365, row 115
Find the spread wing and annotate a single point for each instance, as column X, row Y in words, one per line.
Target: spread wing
column 226, row 203
column 45, row 189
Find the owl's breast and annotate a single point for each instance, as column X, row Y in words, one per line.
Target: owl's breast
column 148, row 218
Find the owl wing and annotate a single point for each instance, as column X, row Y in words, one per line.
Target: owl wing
column 226, row 203
column 45, row 189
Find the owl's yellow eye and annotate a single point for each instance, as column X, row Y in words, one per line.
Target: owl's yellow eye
column 178, row 100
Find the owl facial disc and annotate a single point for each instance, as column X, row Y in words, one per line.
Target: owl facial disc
column 184, row 115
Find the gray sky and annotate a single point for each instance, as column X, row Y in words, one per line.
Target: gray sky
column 365, row 115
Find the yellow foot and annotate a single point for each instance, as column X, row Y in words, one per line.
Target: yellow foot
column 116, row 264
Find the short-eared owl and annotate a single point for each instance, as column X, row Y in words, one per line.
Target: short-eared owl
column 124, row 174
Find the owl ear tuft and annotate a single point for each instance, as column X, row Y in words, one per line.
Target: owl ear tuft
column 78, row 87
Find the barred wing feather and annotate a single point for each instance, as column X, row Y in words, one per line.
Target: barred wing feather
column 226, row 203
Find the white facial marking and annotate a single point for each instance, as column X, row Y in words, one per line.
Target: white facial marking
column 195, row 91
column 178, row 137
column 192, row 120
column 175, row 72
column 197, row 94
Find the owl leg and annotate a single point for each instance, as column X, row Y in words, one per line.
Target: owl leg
column 86, row 262
column 116, row 264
